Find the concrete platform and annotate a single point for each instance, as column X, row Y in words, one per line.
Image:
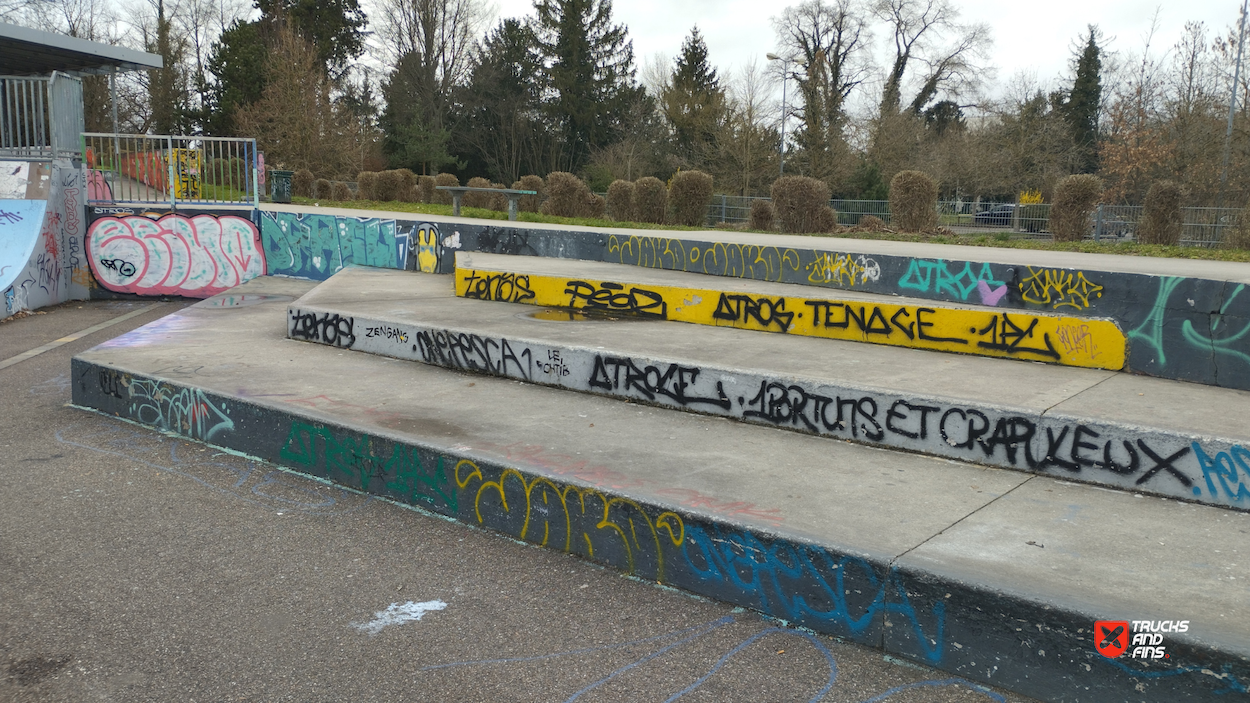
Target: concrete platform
column 1026, row 416
column 990, row 574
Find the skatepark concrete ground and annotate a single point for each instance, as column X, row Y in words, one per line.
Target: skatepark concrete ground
column 140, row 566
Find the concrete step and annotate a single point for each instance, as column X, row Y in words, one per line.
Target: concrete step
column 790, row 309
column 1135, row 433
column 997, row 576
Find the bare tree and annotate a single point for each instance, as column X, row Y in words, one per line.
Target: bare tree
column 830, row 41
column 927, row 33
column 442, row 33
column 748, row 145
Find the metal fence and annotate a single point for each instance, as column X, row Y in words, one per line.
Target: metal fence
column 40, row 118
column 1202, row 226
column 145, row 168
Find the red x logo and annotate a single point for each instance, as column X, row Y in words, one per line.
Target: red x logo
column 1111, row 637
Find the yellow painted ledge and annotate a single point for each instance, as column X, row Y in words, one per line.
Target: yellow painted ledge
column 1071, row 341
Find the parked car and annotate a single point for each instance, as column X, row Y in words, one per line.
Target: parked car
column 999, row 215
column 1032, row 217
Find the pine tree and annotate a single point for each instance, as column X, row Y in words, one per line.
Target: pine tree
column 1080, row 110
column 590, row 65
column 694, row 101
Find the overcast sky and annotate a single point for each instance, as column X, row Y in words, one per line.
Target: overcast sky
column 1028, row 36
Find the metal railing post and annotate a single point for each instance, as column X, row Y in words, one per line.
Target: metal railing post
column 1098, row 223
column 169, row 184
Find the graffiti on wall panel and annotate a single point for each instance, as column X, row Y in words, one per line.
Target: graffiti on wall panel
column 318, row 246
column 1058, row 288
column 715, row 258
column 1074, row 342
column 1131, row 458
column 936, row 277
column 197, row 257
column 843, row 270
column 186, row 411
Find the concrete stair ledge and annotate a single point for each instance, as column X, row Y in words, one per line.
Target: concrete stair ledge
column 1159, row 419
column 926, row 558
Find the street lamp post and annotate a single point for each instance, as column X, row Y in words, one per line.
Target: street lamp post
column 785, row 76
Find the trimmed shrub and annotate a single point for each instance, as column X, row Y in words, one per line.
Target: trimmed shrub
column 498, row 201
column 762, row 215
column 322, row 188
column 567, row 196
column 228, row 172
column 425, row 189
column 913, row 201
column 650, row 200
column 621, row 200
column 1074, row 200
column 389, row 184
column 595, row 206
column 690, row 192
column 530, row 203
column 341, row 192
column 407, row 186
column 367, row 185
column 481, row 200
column 871, row 223
column 1161, row 220
column 802, row 205
column 442, row 197
column 302, row 183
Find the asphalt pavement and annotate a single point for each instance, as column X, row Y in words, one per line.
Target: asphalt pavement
column 139, row 566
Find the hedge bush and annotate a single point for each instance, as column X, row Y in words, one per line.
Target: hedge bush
column 802, row 205
column 498, row 201
column 913, row 201
column 530, row 203
column 302, row 183
column 650, row 200
column 341, row 192
column 480, row 200
column 425, row 189
column 366, row 185
column 1074, row 201
column 621, row 200
column 1161, row 220
column 442, row 197
column 762, row 215
column 322, row 188
column 567, row 196
column 408, row 186
column 690, row 193
column 389, row 183
column 871, row 223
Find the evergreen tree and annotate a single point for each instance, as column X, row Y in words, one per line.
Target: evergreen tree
column 501, row 133
column 1080, row 110
column 334, row 27
column 415, row 136
column 237, row 64
column 590, row 67
column 694, row 101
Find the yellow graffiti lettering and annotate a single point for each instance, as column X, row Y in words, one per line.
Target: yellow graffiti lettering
column 1058, row 287
column 1091, row 343
column 569, row 501
column 718, row 258
column 842, row 269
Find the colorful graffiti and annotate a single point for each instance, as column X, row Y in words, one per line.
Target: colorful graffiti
column 1058, row 288
column 197, row 257
column 1083, row 342
column 935, row 276
column 318, row 246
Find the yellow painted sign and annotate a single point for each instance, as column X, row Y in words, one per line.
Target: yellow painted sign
column 1069, row 341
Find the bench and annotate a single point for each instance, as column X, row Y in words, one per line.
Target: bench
column 513, row 196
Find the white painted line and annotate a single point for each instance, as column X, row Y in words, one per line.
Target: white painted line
column 77, row 335
column 398, row 614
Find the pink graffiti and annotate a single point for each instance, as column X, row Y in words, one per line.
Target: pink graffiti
column 197, row 257
column 98, row 189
